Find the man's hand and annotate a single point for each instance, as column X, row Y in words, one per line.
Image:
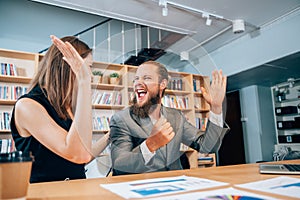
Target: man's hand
column 216, row 91
column 161, row 134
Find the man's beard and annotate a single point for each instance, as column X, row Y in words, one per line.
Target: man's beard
column 148, row 107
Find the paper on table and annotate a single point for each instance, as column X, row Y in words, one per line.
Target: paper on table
column 160, row 186
column 282, row 185
column 221, row 194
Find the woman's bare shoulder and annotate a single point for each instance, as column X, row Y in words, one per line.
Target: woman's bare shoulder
column 28, row 106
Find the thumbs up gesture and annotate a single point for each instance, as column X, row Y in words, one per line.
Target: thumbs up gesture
column 161, row 134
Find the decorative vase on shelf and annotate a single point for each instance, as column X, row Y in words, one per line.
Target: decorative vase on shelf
column 97, row 77
column 114, row 78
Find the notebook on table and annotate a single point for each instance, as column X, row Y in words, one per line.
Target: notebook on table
column 265, row 168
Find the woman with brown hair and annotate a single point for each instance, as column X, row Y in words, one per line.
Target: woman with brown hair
column 54, row 119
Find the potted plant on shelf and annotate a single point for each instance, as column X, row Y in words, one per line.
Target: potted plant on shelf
column 97, row 76
column 114, row 78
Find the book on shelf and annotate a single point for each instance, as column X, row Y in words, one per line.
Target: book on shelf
column 106, row 98
column 119, row 99
column 205, row 159
column 7, row 145
column 5, row 121
column 186, row 102
column 12, row 92
column 96, row 96
column 10, row 69
column 196, row 85
column 201, row 123
column 175, row 84
column 101, row 123
column 173, row 101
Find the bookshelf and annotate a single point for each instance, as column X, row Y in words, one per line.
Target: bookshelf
column 17, row 70
column 183, row 92
column 107, row 98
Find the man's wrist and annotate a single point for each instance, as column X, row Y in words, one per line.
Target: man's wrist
column 147, row 154
column 150, row 145
column 217, row 119
column 216, row 110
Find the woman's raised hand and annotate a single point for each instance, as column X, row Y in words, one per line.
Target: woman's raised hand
column 72, row 57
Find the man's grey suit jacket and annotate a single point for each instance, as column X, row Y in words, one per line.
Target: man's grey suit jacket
column 127, row 132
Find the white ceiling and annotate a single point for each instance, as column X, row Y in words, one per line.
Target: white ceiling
column 185, row 16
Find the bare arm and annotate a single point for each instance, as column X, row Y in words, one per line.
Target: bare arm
column 83, row 116
column 32, row 119
column 100, row 145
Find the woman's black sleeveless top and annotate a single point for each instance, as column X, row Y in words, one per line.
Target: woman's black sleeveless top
column 47, row 166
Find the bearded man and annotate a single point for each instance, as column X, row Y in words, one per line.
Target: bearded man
column 146, row 137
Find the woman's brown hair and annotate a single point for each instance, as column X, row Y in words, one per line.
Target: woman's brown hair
column 56, row 76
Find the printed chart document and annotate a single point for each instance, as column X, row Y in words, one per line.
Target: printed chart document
column 160, row 186
column 282, row 185
column 221, row 194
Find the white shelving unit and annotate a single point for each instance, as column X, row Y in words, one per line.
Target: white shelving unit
column 286, row 102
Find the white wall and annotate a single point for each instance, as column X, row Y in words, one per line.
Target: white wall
column 273, row 42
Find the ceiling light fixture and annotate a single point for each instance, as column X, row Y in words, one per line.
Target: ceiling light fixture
column 164, row 11
column 184, row 55
column 238, row 26
column 205, row 14
column 208, row 20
